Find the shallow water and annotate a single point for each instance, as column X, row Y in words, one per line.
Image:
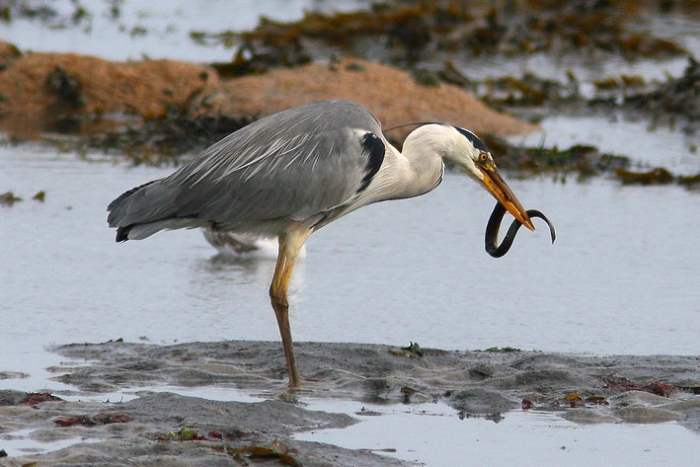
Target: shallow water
column 620, row 279
column 434, row 435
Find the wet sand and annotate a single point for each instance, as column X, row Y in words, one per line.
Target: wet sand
column 163, row 428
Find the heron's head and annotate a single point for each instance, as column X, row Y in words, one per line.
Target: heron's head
column 465, row 150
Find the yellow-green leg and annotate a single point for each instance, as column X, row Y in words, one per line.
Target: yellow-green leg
column 289, row 246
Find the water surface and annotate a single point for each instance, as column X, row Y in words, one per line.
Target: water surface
column 620, row 279
column 432, row 434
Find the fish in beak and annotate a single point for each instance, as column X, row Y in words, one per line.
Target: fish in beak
column 494, row 183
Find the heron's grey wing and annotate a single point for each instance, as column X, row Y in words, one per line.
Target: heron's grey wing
column 293, row 166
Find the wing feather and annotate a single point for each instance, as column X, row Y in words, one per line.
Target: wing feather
column 295, row 165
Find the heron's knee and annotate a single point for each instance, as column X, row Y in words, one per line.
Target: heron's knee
column 278, row 299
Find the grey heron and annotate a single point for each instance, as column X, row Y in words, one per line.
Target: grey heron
column 291, row 173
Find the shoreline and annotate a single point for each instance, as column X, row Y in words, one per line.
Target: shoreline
column 483, row 384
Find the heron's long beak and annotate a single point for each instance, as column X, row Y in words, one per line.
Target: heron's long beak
column 501, row 191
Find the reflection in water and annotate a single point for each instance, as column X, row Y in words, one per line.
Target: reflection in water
column 239, row 285
column 244, row 245
column 244, row 270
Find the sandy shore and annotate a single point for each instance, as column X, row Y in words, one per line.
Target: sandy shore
column 162, row 428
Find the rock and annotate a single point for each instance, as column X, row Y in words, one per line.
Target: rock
column 479, row 401
column 392, row 94
column 40, row 91
column 39, row 88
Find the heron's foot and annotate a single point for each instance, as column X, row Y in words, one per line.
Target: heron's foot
column 295, row 379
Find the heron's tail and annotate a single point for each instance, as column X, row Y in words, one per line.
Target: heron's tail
column 145, row 210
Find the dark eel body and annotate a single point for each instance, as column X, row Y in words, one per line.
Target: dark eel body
column 494, row 225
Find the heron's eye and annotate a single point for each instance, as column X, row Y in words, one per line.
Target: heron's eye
column 483, row 157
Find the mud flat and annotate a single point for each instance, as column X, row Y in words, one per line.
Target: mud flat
column 166, row 428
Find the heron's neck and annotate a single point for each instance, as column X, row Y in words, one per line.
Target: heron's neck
column 426, row 168
column 413, row 172
column 425, row 149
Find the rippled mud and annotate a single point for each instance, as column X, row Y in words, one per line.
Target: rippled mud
column 191, row 431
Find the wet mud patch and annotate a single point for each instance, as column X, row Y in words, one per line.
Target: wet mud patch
column 174, row 430
column 492, row 381
column 182, row 430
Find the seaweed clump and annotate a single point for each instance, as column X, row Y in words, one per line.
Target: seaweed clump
column 679, row 96
column 528, row 90
column 582, row 160
column 158, row 140
column 404, row 33
column 589, row 25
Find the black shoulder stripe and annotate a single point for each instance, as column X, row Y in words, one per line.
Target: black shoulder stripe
column 373, row 146
column 478, row 144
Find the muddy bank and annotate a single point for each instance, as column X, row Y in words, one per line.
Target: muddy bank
column 58, row 92
column 183, row 430
column 374, row 372
column 169, row 429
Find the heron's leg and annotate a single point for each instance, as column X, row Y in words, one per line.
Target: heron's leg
column 289, row 246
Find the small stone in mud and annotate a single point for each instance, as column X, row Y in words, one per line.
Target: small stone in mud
column 478, row 401
column 11, row 397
